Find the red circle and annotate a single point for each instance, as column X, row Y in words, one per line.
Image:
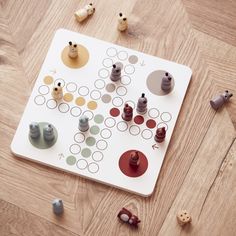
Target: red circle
column 151, row 124
column 127, row 169
column 114, row 112
column 138, row 120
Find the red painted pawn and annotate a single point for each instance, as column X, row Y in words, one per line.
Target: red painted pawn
column 134, row 160
column 127, row 113
column 160, row 135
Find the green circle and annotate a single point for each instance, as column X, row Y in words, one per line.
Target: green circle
column 94, row 129
column 98, row 119
column 86, row 152
column 90, row 141
column 71, row 160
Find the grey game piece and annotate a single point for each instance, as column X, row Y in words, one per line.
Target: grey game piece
column 115, row 73
column 57, row 206
column 166, row 83
column 219, row 100
column 34, row 130
column 48, row 133
column 142, row 104
column 83, row 123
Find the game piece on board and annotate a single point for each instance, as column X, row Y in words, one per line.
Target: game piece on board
column 115, row 73
column 160, row 135
column 122, row 22
column 219, row 100
column 142, row 104
column 83, row 123
column 57, row 92
column 83, row 13
column 183, row 217
column 73, row 50
column 48, row 133
column 166, row 83
column 127, row 114
column 134, row 160
column 127, row 217
column 34, row 131
column 57, row 206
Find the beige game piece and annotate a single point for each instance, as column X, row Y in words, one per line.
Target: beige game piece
column 122, row 22
column 183, row 217
column 83, row 13
column 73, row 50
column 57, row 92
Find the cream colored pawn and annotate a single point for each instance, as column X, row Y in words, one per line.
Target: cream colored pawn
column 122, row 22
column 57, row 92
column 83, row 13
column 73, row 50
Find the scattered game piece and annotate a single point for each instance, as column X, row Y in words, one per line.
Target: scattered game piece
column 73, row 50
column 57, row 206
column 127, row 114
column 57, row 92
column 134, row 160
column 83, row 123
column 183, row 217
column 127, row 217
column 83, row 13
column 48, row 133
column 166, row 83
column 160, row 135
column 115, row 73
column 142, row 104
column 34, row 130
column 122, row 22
column 219, row 100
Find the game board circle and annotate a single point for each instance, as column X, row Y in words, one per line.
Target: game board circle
column 93, row 167
column 154, row 81
column 75, row 111
column 68, row 97
column 106, row 133
column 162, row 124
column 39, row 100
column 138, row 119
column 107, row 62
column 79, row 137
column 92, row 105
column 110, row 122
column 94, row 130
column 122, row 55
column 111, row 52
column 117, row 101
column 120, row 64
column 80, row 101
column 133, row 59
column 127, row 170
column 51, row 104
column 106, row 98
column 122, row 126
column 151, row 123
column 147, row 134
column 83, row 91
column 75, row 148
column 101, row 144
column 153, row 113
column 103, row 73
column 95, row 94
column 48, row 80
column 166, row 116
column 125, row 80
column 86, row 152
column 78, row 62
column 129, row 69
column 121, row 91
column 134, row 130
column 71, row 87
column 90, row 141
column 82, row 164
column 59, row 80
column 98, row 118
column 63, row 107
column 70, row 160
column 110, row 87
column 43, row 89
column 114, row 112
column 99, row 84
column 97, row 156
column 89, row 114
column 131, row 103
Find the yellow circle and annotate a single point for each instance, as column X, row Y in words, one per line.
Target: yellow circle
column 80, row 101
column 78, row 62
column 92, row 105
column 68, row 97
column 48, row 79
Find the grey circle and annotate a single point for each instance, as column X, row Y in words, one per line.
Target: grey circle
column 117, row 101
column 97, row 156
column 122, row 126
column 83, row 91
column 82, row 164
column 105, row 133
column 166, row 116
column 154, row 81
column 162, row 124
column 134, row 130
column 133, row 59
column 71, row 87
column 75, row 148
column 111, row 52
column 99, row 84
column 145, row 134
column 51, row 104
column 93, row 167
column 95, row 94
column 110, row 87
column 120, row 64
column 153, row 113
column 125, row 80
column 75, row 111
column 63, row 107
column 59, row 80
column 107, row 62
column 79, row 137
column 103, row 73
column 129, row 69
column 89, row 114
column 106, row 98
column 121, row 91
column 101, row 144
column 122, row 55
column 110, row 122
column 43, row 89
column 39, row 100
column 131, row 103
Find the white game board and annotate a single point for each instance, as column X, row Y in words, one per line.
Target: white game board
column 88, row 90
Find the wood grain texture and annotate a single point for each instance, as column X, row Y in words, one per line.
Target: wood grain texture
column 198, row 172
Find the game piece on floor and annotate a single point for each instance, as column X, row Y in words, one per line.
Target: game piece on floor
column 134, row 160
column 48, row 133
column 160, row 135
column 115, row 73
column 57, row 92
column 122, row 22
column 57, row 206
column 127, row 114
column 83, row 123
column 127, row 217
column 183, row 217
column 83, row 13
column 34, row 130
column 73, row 50
column 219, row 100
column 166, row 83
column 142, row 104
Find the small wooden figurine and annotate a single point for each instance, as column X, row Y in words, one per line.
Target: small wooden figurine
column 122, row 22
column 57, row 92
column 127, row 217
column 83, row 13
column 220, row 100
column 115, row 73
column 160, row 135
column 57, row 206
column 73, row 50
column 166, row 83
column 34, row 131
column 134, row 160
column 83, row 123
column 48, row 133
column 127, row 114
column 183, row 217
column 142, row 104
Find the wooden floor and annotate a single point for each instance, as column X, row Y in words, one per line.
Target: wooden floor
column 199, row 171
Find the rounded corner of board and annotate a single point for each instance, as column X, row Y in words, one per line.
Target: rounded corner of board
column 12, row 148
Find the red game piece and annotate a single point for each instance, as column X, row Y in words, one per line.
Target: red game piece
column 160, row 135
column 127, row 217
column 127, row 113
column 134, row 160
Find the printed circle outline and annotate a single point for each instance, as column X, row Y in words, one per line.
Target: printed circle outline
column 71, row 90
column 99, row 141
column 168, row 113
column 50, row 106
column 39, row 97
column 83, row 161
column 42, row 87
column 96, row 159
column 71, row 147
column 64, row 104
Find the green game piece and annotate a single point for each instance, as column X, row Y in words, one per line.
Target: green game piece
column 94, row 129
column 90, row 141
column 86, row 152
column 99, row 119
column 71, row 160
